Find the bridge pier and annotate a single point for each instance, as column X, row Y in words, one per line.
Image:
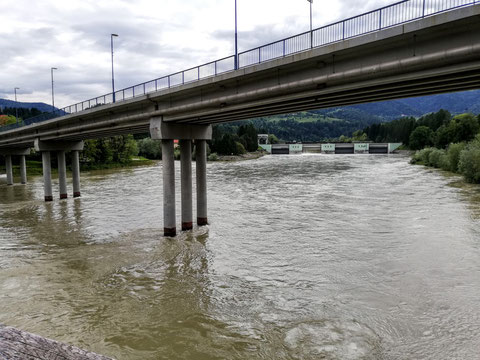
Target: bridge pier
column 186, row 183
column 76, row 173
column 9, row 169
column 23, row 169
column 8, row 153
column 167, row 132
column 60, row 147
column 62, row 174
column 201, row 172
column 168, row 160
column 47, row 175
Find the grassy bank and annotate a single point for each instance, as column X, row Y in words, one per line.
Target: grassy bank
column 34, row 168
column 247, row 156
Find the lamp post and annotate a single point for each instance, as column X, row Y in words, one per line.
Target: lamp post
column 113, row 79
column 16, row 105
column 311, row 23
column 53, row 93
column 236, row 38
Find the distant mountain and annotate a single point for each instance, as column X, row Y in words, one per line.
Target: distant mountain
column 456, row 103
column 316, row 125
column 37, row 105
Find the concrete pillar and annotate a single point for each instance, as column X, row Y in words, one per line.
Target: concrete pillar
column 201, row 156
column 62, row 174
column 168, row 160
column 47, row 175
column 76, row 173
column 9, row 169
column 23, row 169
column 186, row 180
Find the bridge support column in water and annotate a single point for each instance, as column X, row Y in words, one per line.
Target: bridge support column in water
column 47, row 175
column 201, row 158
column 45, row 147
column 62, row 174
column 168, row 160
column 9, row 169
column 8, row 153
column 76, row 173
column 23, row 169
column 186, row 183
column 185, row 133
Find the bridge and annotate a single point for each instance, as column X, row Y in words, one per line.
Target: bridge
column 410, row 48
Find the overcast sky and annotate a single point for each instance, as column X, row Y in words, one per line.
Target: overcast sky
column 156, row 37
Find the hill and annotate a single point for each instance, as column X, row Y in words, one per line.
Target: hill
column 42, row 107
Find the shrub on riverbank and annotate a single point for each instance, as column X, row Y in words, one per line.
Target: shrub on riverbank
column 459, row 158
column 453, row 155
column 469, row 162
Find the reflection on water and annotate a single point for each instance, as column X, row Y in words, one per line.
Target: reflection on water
column 306, row 257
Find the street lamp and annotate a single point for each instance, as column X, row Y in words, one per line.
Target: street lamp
column 236, row 38
column 311, row 23
column 53, row 94
column 16, row 105
column 113, row 81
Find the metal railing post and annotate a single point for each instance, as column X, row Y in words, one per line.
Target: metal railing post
column 380, row 16
column 215, row 68
column 283, row 48
column 343, row 22
column 156, row 85
column 169, row 81
column 198, row 72
column 143, row 88
column 423, row 14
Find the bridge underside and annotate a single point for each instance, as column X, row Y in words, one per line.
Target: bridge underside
column 434, row 55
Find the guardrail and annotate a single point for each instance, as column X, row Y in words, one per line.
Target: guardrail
column 376, row 20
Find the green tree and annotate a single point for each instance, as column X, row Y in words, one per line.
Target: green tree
column 464, row 127
column 272, row 139
column 248, row 136
column 149, row 148
column 422, row 136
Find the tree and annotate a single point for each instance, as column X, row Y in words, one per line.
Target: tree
column 248, row 136
column 464, row 127
column 422, row 136
column 149, row 148
column 272, row 139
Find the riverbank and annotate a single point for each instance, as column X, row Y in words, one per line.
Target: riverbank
column 34, row 168
column 248, row 156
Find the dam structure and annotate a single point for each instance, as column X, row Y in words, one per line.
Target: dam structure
column 410, row 48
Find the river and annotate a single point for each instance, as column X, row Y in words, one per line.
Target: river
column 305, row 257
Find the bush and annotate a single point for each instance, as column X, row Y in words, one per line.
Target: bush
column 434, row 157
column 453, row 154
column 444, row 163
column 469, row 164
column 422, row 156
column 213, row 157
column 240, row 148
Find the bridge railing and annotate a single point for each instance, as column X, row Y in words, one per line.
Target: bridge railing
column 376, row 20
column 385, row 17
